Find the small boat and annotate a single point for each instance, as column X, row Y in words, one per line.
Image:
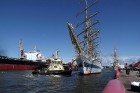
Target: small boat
column 55, row 67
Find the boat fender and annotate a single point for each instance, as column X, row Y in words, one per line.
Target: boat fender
column 114, row 86
column 117, row 74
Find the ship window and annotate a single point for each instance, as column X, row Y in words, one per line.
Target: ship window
column 55, row 66
column 59, row 62
column 55, row 62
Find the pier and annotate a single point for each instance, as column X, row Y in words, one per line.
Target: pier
column 122, row 83
column 127, row 79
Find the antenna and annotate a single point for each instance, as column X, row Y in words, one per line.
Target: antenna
column 56, row 53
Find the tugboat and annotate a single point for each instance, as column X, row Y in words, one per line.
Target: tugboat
column 55, row 67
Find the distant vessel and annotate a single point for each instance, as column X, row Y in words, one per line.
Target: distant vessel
column 28, row 61
column 115, row 57
column 55, row 67
column 86, row 43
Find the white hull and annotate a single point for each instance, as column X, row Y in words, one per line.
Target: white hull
column 88, row 66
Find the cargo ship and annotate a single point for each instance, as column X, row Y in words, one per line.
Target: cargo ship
column 19, row 64
column 27, row 61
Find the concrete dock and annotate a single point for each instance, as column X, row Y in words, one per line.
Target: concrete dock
column 127, row 79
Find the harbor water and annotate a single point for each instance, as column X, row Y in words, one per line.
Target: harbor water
column 25, row 82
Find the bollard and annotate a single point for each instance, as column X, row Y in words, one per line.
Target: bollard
column 114, row 86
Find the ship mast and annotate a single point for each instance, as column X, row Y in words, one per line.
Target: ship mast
column 21, row 49
column 86, row 41
column 115, row 63
column 86, row 30
column 90, row 35
column 56, row 54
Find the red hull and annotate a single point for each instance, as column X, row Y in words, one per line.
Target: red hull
column 18, row 67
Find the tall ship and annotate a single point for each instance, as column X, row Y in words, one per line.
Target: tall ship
column 86, row 41
column 115, row 57
column 27, row 61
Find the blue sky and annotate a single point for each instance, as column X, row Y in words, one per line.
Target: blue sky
column 43, row 23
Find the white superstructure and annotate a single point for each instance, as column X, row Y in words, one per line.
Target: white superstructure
column 33, row 55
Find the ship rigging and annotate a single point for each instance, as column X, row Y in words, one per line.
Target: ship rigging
column 86, row 42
